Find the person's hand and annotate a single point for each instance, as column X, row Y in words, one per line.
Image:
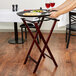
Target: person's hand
column 52, row 9
column 54, row 15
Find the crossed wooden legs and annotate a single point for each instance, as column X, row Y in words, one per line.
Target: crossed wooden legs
column 45, row 43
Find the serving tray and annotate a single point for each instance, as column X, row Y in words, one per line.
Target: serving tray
column 34, row 13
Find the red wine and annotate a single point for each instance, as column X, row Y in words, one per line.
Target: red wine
column 47, row 5
column 52, row 4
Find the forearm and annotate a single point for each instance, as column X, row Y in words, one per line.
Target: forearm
column 68, row 8
column 62, row 5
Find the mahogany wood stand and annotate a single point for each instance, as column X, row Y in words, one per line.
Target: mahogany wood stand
column 38, row 26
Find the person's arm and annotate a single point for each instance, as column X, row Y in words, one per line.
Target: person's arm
column 69, row 7
column 61, row 6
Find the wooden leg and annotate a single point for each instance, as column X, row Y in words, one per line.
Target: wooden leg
column 45, row 46
column 34, row 40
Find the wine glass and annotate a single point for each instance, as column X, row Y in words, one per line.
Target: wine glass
column 52, row 3
column 47, row 4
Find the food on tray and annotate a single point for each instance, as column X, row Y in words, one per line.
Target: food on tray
column 31, row 13
column 27, row 9
column 40, row 11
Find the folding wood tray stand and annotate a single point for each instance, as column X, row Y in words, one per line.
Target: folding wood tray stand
column 42, row 54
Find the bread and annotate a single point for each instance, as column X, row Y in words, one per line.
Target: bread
column 31, row 13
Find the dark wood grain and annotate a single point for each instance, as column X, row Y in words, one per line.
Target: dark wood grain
column 12, row 57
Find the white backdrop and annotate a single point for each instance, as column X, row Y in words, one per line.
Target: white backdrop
column 23, row 4
column 26, row 4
